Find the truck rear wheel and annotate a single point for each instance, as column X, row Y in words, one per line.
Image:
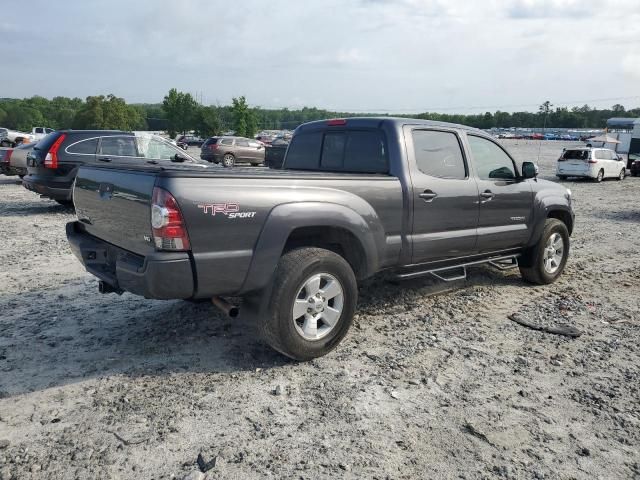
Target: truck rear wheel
column 312, row 303
column 545, row 261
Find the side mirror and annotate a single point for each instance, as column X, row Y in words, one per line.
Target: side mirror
column 178, row 158
column 529, row 170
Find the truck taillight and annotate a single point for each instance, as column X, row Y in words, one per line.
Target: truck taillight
column 51, row 159
column 169, row 229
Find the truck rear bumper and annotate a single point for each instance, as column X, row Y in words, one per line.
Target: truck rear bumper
column 161, row 275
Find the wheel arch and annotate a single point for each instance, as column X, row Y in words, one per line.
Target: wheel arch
column 314, row 224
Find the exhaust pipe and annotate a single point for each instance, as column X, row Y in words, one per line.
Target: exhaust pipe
column 230, row 310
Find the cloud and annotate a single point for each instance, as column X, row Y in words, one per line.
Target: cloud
column 369, row 55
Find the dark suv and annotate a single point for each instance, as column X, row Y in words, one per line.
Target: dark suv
column 186, row 141
column 53, row 163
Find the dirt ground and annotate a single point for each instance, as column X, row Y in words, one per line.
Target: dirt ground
column 433, row 381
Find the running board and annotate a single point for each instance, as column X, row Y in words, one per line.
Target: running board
column 459, row 272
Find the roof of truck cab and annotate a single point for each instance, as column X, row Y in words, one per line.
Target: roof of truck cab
column 369, row 122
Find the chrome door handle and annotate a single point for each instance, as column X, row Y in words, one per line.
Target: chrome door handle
column 487, row 195
column 428, row 195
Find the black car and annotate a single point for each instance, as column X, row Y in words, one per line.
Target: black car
column 53, row 163
column 186, row 141
column 634, row 164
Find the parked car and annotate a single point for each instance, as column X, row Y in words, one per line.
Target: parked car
column 231, row 150
column 13, row 138
column 14, row 162
column 186, row 141
column 634, row 159
column 355, row 197
column 589, row 162
column 5, row 157
column 274, row 153
column 53, row 163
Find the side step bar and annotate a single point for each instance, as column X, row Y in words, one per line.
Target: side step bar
column 459, row 272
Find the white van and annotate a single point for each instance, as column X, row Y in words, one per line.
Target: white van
column 596, row 163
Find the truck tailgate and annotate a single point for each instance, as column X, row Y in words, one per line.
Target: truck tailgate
column 115, row 206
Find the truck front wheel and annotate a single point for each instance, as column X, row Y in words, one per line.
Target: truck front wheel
column 312, row 303
column 545, row 261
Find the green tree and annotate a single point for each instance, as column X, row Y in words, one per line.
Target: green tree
column 180, row 109
column 245, row 121
column 207, row 122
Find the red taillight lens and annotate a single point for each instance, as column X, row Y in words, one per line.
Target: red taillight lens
column 336, row 121
column 7, row 156
column 591, row 160
column 51, row 160
column 169, row 230
column 213, row 146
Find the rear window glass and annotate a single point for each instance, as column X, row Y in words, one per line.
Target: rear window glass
column 304, row 151
column 362, row 151
column 86, row 147
column 118, row 146
column 576, row 155
column 210, row 141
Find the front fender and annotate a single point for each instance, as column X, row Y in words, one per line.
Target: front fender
column 544, row 206
column 285, row 218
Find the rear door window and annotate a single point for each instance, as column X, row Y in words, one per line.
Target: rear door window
column 118, row 147
column 155, row 148
column 84, row 147
column 438, row 154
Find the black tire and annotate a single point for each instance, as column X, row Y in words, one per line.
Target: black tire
column 623, row 173
column 562, row 177
column 532, row 263
column 600, row 176
column 294, row 268
column 228, row 160
column 65, row 203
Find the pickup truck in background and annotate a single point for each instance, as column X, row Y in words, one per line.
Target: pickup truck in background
column 354, row 197
column 13, row 138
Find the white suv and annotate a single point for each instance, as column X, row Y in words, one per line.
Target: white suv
column 596, row 163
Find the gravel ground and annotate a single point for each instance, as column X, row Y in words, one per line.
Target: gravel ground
column 433, row 381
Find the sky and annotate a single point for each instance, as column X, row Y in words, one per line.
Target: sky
column 402, row 56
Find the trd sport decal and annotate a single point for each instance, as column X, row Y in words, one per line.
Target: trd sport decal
column 231, row 210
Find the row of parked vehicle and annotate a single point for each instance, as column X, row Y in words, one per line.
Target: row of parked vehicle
column 49, row 166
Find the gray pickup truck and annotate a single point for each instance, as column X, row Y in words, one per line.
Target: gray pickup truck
column 354, row 197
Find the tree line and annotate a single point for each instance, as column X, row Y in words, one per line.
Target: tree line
column 179, row 112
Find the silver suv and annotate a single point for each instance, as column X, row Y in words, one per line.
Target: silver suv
column 232, row 150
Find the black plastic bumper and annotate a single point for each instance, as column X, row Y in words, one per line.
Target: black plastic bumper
column 160, row 275
column 53, row 191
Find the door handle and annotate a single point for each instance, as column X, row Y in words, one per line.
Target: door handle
column 104, row 159
column 428, row 195
column 486, row 195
